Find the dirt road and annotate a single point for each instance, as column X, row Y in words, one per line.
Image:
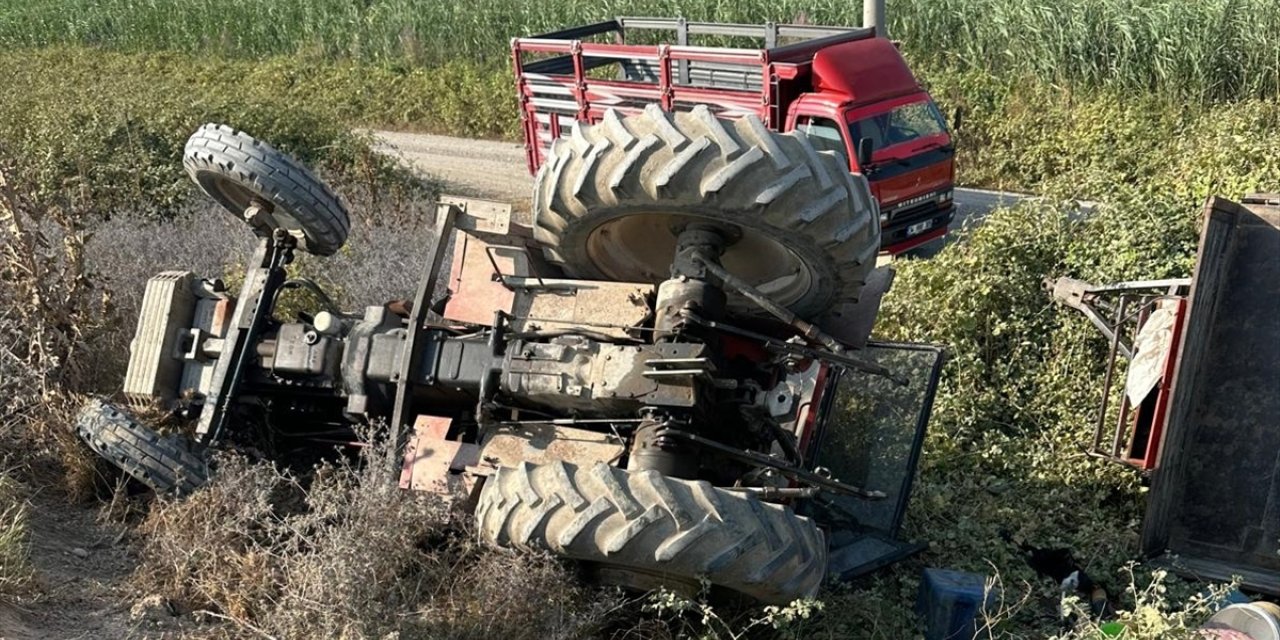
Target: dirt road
column 82, row 565
column 497, row 170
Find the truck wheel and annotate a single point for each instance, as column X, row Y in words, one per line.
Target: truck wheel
column 652, row 526
column 166, row 464
column 610, row 200
column 234, row 168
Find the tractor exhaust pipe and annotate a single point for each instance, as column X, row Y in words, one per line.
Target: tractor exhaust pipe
column 873, row 16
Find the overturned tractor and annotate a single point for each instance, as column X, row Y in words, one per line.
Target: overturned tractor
column 647, row 379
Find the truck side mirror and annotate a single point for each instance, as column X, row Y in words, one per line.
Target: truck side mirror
column 957, row 118
column 865, row 149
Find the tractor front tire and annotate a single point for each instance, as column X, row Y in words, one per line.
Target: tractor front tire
column 662, row 528
column 235, row 169
column 165, row 464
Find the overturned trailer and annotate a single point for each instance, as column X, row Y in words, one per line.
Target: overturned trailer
column 1199, row 411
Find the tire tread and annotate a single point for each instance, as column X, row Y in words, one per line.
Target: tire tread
column 657, row 524
column 166, row 464
column 696, row 164
column 215, row 151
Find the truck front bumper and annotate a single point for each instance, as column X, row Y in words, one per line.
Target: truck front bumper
column 903, row 233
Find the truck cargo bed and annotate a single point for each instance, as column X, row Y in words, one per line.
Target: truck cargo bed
column 560, row 82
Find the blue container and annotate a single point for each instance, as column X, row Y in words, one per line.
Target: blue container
column 951, row 603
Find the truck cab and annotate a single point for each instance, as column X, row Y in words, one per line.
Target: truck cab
column 867, row 105
column 848, row 88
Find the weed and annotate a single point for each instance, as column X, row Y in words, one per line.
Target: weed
column 1155, row 614
column 697, row 618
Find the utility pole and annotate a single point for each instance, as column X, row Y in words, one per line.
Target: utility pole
column 873, row 16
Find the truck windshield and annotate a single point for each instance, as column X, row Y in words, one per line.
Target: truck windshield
column 903, row 124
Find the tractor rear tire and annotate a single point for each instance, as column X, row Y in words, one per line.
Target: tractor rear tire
column 610, row 199
column 655, row 526
column 166, row 464
column 234, row 168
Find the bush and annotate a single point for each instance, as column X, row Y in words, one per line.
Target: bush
column 1157, row 613
column 1022, row 135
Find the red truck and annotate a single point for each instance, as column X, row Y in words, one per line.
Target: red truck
column 848, row 88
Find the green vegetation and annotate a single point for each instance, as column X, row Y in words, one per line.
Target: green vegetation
column 1094, row 144
column 1017, row 397
column 1077, row 98
column 1211, row 49
column 113, row 125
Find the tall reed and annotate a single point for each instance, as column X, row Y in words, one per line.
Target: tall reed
column 1197, row 50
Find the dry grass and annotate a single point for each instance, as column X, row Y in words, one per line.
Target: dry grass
column 49, row 312
column 46, row 287
column 342, row 552
column 15, row 564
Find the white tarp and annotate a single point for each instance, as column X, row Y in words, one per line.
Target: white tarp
column 1150, row 348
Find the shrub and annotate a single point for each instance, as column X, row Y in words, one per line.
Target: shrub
column 1157, row 614
column 1026, row 136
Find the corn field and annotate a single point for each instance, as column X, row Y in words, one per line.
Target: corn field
column 1189, row 50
